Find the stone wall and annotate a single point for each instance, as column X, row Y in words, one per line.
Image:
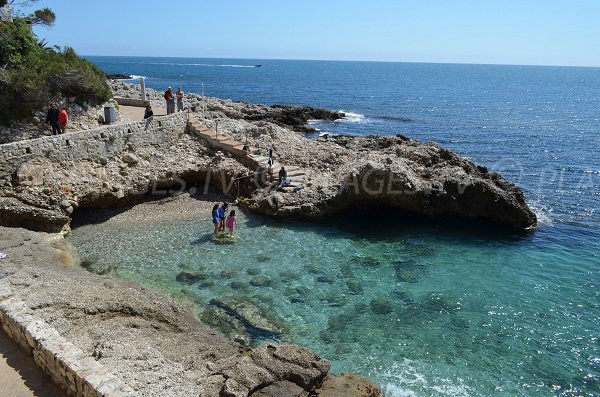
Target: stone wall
column 68, row 366
column 100, row 142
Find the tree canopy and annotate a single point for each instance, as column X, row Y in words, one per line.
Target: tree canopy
column 31, row 73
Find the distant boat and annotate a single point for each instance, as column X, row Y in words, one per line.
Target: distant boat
column 257, row 66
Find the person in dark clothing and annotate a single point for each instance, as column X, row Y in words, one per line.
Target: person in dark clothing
column 52, row 118
column 148, row 116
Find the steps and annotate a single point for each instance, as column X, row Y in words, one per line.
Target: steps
column 225, row 143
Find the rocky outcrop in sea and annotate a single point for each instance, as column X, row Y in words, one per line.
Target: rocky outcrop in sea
column 42, row 182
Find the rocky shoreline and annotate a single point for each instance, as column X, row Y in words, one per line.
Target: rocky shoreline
column 153, row 343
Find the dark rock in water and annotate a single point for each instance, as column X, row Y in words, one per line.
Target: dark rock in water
column 381, row 306
column 255, row 331
column 406, row 271
column 294, row 117
column 326, row 278
column 238, row 285
column 439, row 303
column 354, row 287
column 288, row 275
column 261, row 281
column 96, row 269
column 366, row 261
column 191, row 277
column 253, row 271
column 346, row 270
column 403, row 296
column 314, row 269
column 262, row 258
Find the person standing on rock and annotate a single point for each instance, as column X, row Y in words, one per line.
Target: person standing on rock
column 179, row 96
column 52, row 118
column 63, row 119
column 170, row 99
column 148, row 116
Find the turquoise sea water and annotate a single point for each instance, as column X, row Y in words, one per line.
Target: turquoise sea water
column 422, row 308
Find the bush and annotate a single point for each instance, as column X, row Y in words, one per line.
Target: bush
column 32, row 75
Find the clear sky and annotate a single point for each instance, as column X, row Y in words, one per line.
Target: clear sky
column 538, row 32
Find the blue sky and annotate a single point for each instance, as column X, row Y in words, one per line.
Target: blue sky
column 540, row 32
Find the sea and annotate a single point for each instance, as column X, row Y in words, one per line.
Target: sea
column 420, row 307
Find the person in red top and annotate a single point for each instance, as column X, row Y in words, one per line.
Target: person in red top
column 63, row 119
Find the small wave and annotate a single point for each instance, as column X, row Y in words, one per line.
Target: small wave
column 136, row 77
column 350, row 117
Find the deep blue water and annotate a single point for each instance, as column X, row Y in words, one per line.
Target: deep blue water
column 469, row 311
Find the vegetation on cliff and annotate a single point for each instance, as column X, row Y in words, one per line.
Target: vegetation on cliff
column 32, row 73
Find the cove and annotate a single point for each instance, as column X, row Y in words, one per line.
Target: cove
column 420, row 307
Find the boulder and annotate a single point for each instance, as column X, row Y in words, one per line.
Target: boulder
column 130, row 159
column 292, row 363
column 348, row 385
column 30, row 175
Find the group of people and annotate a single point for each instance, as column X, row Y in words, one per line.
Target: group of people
column 58, row 119
column 220, row 219
column 171, row 98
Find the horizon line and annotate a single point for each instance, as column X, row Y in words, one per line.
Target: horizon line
column 352, row 60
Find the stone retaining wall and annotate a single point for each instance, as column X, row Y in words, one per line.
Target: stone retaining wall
column 131, row 102
column 67, row 365
column 99, row 142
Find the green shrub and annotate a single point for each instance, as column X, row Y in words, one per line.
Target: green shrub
column 31, row 74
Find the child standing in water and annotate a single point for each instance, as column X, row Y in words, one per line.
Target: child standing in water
column 222, row 215
column 231, row 222
column 216, row 220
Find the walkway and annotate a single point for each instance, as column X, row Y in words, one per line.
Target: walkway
column 19, row 374
column 297, row 175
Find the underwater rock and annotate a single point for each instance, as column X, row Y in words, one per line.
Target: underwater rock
column 381, row 306
column 366, row 261
column 191, row 277
column 439, row 303
column 96, row 269
column 326, row 278
column 238, row 285
column 261, row 281
column 406, row 271
column 245, row 318
column 253, row 271
column 262, row 258
column 355, row 287
column 289, row 275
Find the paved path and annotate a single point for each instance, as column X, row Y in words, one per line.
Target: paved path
column 19, row 374
column 136, row 113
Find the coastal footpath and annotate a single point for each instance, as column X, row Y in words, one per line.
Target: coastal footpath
column 98, row 336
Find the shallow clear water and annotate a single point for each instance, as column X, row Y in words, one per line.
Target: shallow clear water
column 424, row 309
column 421, row 309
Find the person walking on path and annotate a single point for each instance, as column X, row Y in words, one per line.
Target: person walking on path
column 52, row 118
column 170, row 99
column 179, row 96
column 63, row 119
column 231, row 222
column 148, row 116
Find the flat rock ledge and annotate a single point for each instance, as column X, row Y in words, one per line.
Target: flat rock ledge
column 96, row 336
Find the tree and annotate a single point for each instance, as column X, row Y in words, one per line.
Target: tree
column 44, row 16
